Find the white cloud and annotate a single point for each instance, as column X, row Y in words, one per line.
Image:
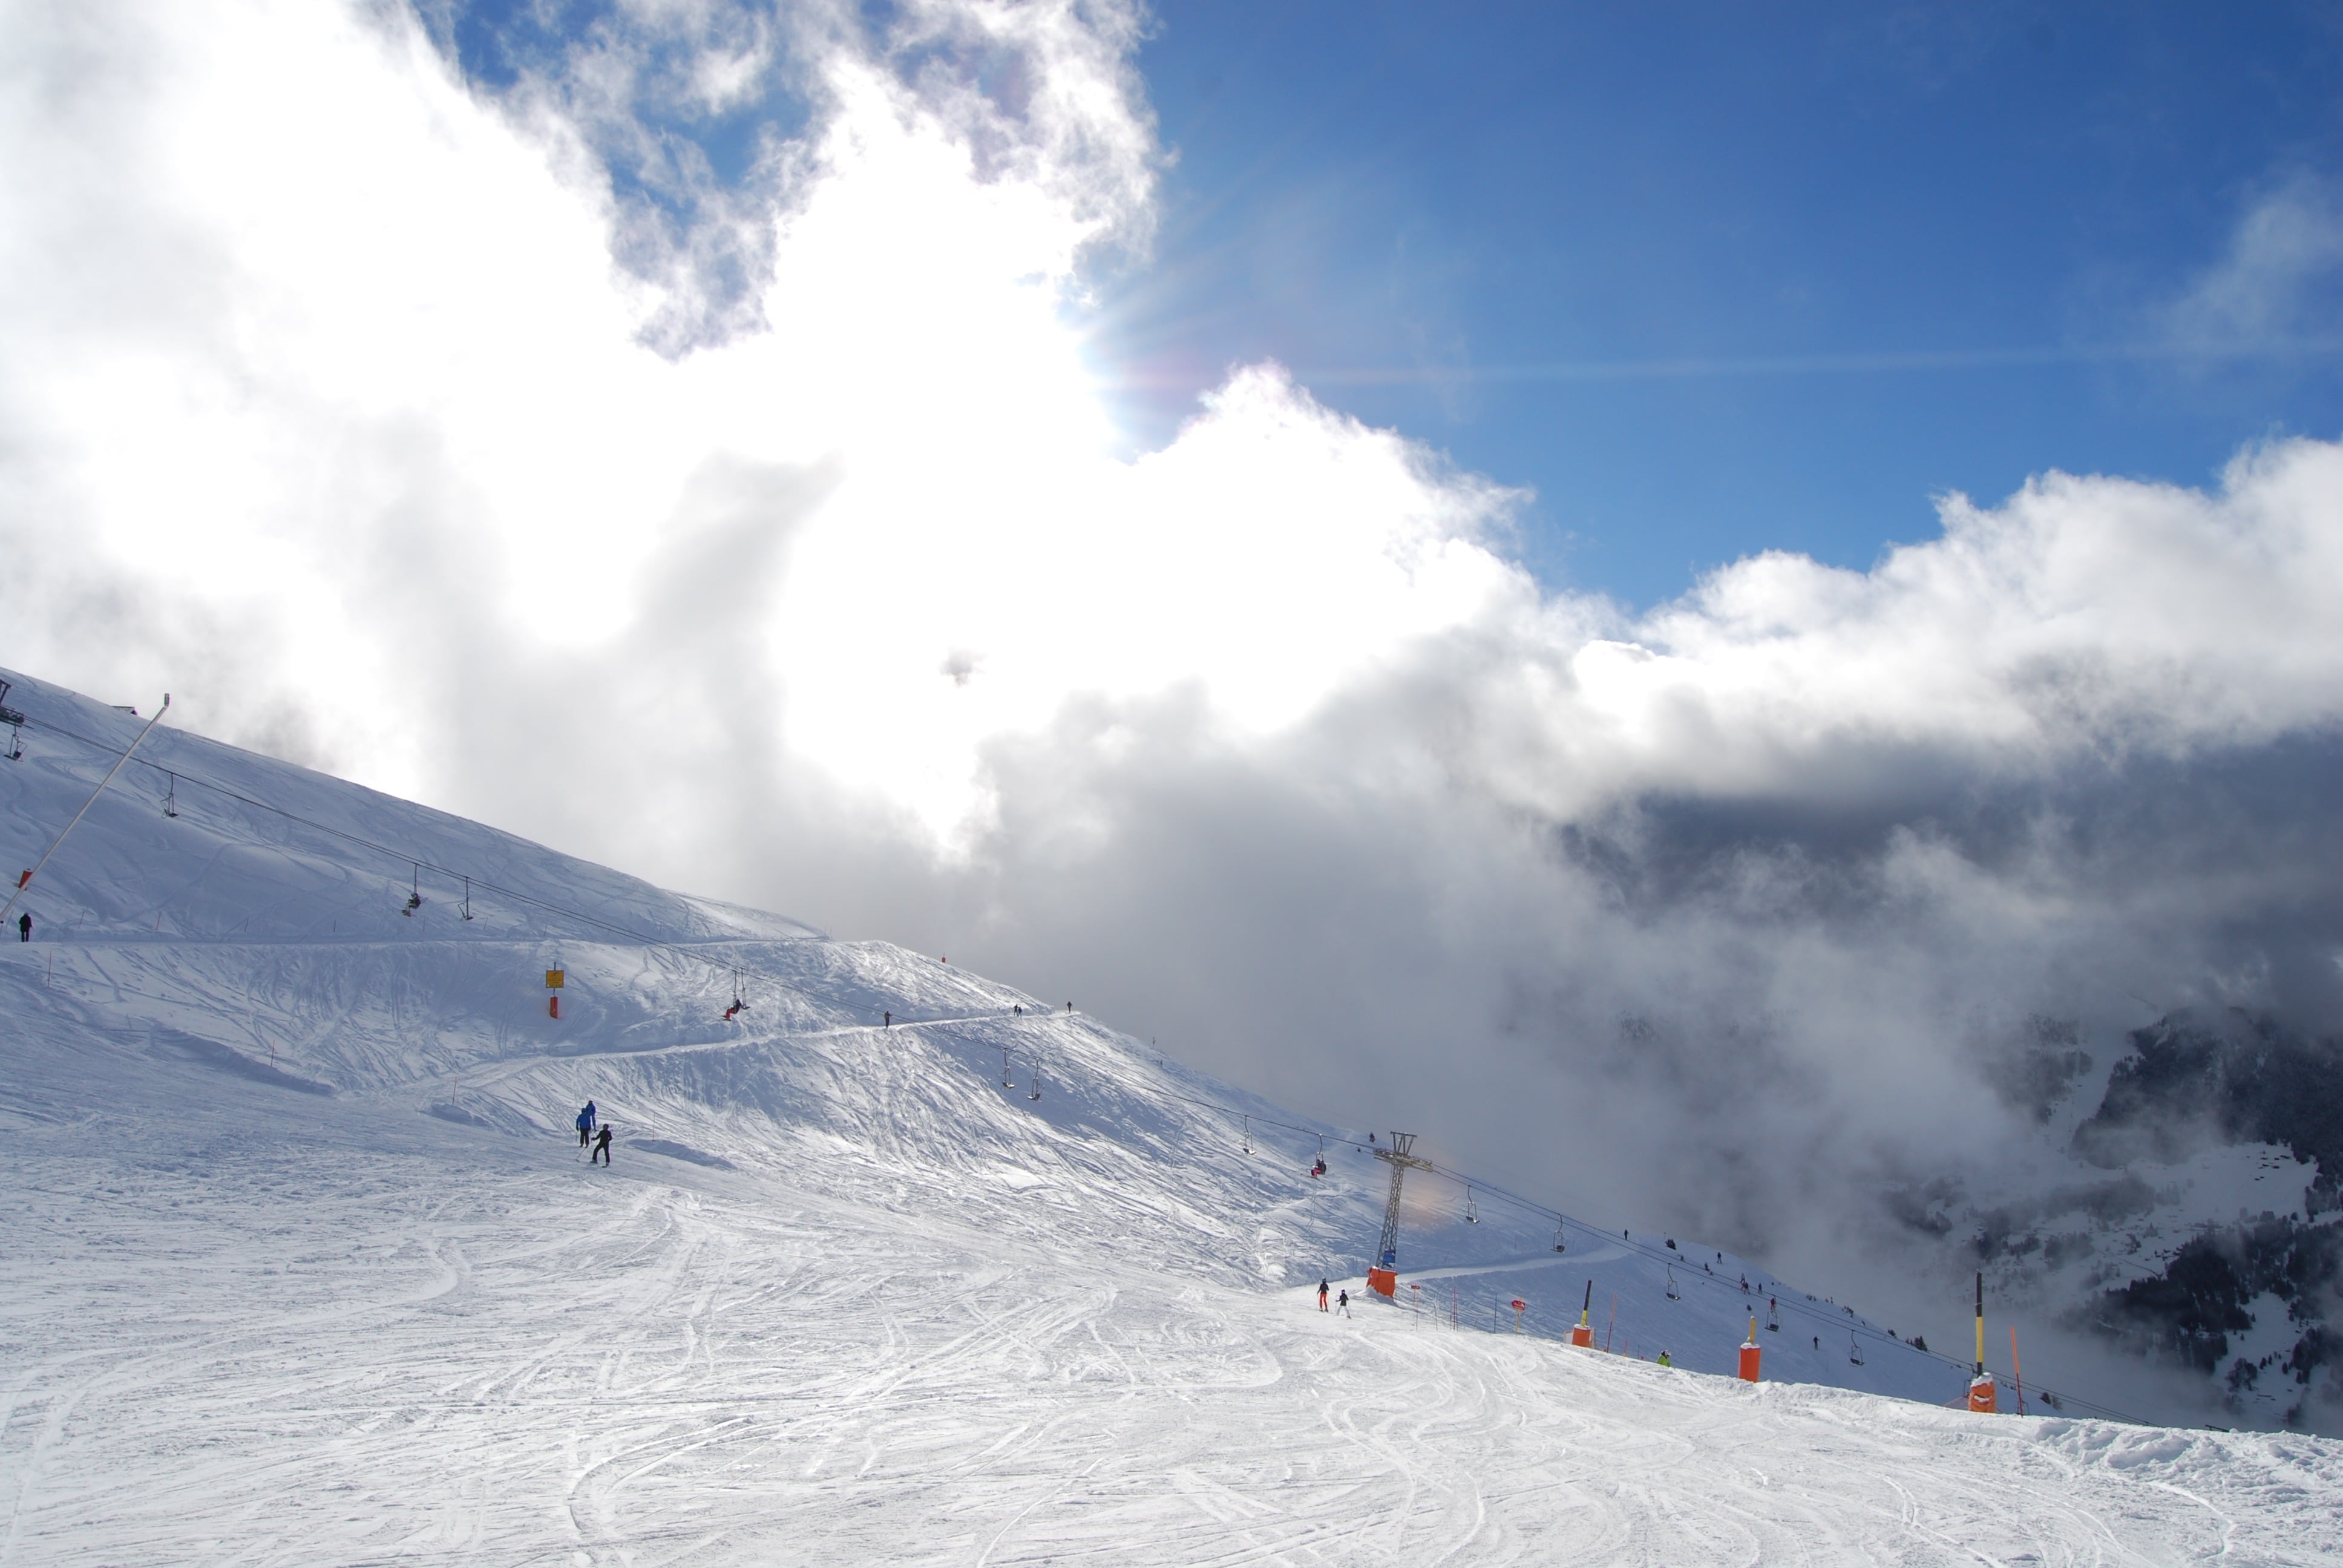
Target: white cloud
column 2276, row 281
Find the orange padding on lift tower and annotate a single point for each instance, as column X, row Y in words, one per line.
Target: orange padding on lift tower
column 1750, row 1354
column 1982, row 1396
column 553, row 1007
column 1384, row 1281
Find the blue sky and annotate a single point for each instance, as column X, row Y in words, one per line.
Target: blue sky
column 1716, row 220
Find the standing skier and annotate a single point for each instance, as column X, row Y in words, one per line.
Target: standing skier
column 1321, row 1296
column 585, row 1124
column 1342, row 1300
column 25, row 927
column 602, row 1148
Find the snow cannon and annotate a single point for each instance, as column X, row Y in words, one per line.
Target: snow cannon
column 1751, row 1355
column 1582, row 1332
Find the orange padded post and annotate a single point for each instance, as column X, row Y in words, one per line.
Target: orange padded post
column 1982, row 1397
column 1383, row 1282
column 1750, row 1354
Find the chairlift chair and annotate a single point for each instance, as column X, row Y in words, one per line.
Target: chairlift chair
column 1037, row 1085
column 414, row 894
column 1674, row 1294
column 171, row 798
column 1773, row 1315
column 1558, row 1244
column 1005, row 1081
column 467, row 899
column 1472, row 1215
column 1248, row 1134
column 1853, row 1350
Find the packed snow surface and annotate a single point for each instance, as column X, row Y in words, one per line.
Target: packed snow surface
column 303, row 1262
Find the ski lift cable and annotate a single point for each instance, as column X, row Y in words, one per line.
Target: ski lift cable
column 1804, row 1310
column 511, row 895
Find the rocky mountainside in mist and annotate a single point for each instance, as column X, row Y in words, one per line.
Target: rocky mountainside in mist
column 2202, row 1227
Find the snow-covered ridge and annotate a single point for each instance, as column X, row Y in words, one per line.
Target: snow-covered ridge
column 306, row 1264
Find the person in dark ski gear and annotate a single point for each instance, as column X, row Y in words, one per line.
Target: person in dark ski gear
column 885, row 1021
column 585, row 1124
column 1320, row 1168
column 1342, row 1300
column 25, row 927
column 602, row 1148
column 733, row 1012
column 1321, row 1296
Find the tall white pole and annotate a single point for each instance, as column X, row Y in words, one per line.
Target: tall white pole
column 26, row 880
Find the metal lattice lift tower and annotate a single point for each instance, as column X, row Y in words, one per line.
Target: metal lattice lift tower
column 1384, row 1277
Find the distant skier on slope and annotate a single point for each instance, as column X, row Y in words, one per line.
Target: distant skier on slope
column 602, row 1148
column 1665, row 1361
column 585, row 1124
column 1342, row 1301
column 25, row 927
column 1321, row 1296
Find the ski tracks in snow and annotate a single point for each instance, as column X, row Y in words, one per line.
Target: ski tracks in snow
column 431, row 1344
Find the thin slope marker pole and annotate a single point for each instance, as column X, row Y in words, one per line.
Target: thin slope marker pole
column 26, row 880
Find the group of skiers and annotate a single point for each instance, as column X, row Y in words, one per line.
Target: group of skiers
column 588, row 1133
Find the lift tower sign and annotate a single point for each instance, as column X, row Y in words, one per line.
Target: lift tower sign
column 1384, row 1277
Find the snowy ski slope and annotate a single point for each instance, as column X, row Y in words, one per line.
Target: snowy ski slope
column 302, row 1263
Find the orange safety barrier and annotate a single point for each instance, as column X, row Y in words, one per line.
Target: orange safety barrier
column 1751, row 1354
column 1384, row 1281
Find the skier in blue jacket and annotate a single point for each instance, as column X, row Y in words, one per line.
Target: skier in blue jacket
column 585, row 1124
